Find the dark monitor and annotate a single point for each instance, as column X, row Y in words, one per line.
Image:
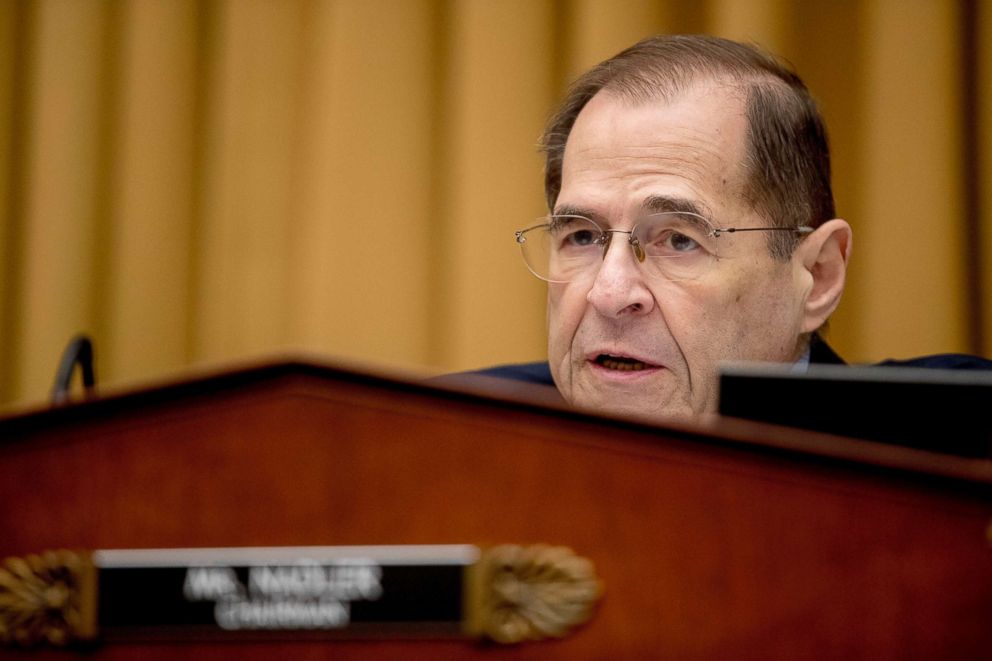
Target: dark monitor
column 939, row 410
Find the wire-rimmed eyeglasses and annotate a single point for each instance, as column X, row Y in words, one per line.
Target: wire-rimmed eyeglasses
column 669, row 245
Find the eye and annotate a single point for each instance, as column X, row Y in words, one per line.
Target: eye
column 580, row 237
column 672, row 242
column 674, row 234
column 680, row 242
column 570, row 234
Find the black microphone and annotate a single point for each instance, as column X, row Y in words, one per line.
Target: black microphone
column 78, row 352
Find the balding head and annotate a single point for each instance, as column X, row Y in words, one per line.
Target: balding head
column 786, row 168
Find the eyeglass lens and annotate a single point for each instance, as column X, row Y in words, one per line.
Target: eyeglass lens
column 672, row 246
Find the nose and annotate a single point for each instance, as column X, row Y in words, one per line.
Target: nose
column 619, row 288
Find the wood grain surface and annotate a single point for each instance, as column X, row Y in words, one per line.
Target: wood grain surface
column 721, row 540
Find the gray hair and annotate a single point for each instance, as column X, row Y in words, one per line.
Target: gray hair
column 787, row 163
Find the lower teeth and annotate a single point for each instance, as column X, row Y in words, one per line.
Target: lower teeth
column 623, row 366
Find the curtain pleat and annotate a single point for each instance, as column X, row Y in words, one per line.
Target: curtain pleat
column 147, row 249
column 199, row 181
column 983, row 173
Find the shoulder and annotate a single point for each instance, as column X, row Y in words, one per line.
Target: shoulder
column 539, row 373
column 533, row 373
column 820, row 352
column 947, row 361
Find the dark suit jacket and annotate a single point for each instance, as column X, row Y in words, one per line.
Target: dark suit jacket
column 820, row 353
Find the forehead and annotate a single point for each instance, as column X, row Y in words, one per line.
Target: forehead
column 620, row 151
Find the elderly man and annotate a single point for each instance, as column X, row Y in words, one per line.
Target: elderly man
column 692, row 222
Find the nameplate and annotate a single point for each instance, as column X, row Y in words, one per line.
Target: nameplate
column 225, row 592
column 507, row 593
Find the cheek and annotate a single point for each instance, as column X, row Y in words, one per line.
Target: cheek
column 689, row 307
column 707, row 319
column 763, row 324
column 566, row 305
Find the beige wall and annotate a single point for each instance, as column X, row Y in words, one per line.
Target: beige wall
column 196, row 181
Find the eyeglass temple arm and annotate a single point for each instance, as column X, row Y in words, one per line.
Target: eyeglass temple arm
column 802, row 229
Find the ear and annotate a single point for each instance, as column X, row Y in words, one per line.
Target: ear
column 824, row 254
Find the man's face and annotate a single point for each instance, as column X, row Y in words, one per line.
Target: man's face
column 621, row 159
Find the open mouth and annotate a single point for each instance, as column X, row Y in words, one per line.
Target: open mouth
column 621, row 363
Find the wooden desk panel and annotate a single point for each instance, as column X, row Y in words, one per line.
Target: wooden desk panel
column 719, row 541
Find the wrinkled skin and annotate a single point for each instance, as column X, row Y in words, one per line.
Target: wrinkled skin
column 748, row 306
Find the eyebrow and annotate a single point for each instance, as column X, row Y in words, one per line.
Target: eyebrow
column 669, row 204
column 651, row 204
column 569, row 210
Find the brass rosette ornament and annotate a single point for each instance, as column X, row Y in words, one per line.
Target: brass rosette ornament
column 522, row 593
column 507, row 594
column 47, row 598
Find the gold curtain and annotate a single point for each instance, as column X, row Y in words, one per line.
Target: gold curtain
column 197, row 181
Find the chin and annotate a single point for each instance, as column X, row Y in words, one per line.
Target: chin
column 632, row 407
